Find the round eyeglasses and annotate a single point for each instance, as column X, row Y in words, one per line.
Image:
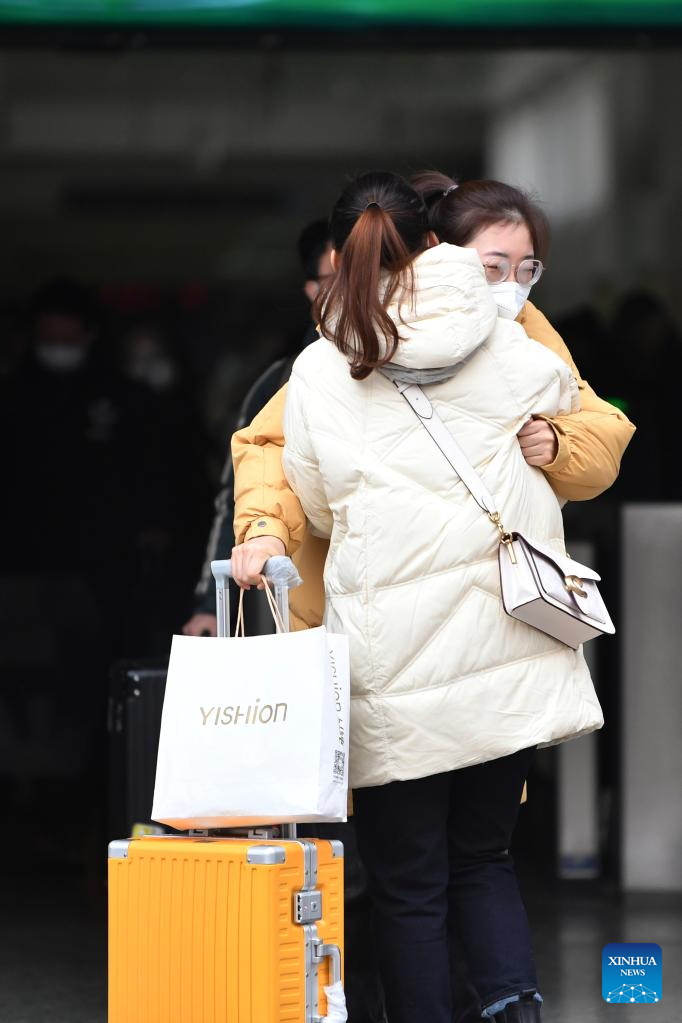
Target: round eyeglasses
column 527, row 272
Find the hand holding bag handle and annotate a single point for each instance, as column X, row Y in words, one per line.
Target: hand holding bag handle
column 279, row 572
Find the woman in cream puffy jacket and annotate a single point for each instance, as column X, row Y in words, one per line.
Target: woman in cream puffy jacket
column 450, row 697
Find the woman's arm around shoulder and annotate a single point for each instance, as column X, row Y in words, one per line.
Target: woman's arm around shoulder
column 591, row 442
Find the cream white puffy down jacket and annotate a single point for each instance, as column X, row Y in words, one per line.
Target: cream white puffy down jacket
column 441, row 677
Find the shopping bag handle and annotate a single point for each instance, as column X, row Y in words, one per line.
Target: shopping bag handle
column 240, row 627
column 272, row 604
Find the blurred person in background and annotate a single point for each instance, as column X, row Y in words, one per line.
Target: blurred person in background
column 104, row 459
column 170, row 544
column 101, row 484
column 74, row 445
column 314, row 249
column 580, row 454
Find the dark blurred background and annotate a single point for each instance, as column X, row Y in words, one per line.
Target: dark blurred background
column 158, row 162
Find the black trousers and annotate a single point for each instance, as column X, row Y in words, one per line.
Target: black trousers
column 437, row 853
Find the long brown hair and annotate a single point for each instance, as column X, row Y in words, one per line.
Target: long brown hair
column 378, row 225
column 458, row 212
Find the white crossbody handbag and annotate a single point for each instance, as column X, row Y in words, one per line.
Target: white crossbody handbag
column 544, row 589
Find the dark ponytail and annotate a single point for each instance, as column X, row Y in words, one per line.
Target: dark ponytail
column 458, row 212
column 378, row 226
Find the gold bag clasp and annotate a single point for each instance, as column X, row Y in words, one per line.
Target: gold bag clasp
column 575, row 585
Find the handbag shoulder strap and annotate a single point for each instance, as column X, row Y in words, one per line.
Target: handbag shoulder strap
column 431, row 421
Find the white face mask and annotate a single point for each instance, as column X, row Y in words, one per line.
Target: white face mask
column 61, row 358
column 510, row 297
column 156, row 371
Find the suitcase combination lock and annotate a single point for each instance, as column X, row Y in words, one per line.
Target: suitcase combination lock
column 307, row 907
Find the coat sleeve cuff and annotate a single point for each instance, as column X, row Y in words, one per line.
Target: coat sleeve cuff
column 265, row 526
column 563, row 450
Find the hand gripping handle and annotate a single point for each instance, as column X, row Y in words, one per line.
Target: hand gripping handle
column 280, row 573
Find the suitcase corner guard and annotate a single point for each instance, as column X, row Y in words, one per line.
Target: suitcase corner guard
column 118, row 849
column 266, row 854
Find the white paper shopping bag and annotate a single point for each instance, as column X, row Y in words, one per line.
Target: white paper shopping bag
column 254, row 730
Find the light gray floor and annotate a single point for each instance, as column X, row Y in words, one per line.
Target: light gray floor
column 53, row 949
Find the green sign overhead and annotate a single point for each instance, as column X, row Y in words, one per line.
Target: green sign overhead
column 318, row 14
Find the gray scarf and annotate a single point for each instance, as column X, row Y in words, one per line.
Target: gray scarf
column 408, row 375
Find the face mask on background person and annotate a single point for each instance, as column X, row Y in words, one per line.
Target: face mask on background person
column 510, row 297
column 156, row 371
column 146, row 359
column 61, row 358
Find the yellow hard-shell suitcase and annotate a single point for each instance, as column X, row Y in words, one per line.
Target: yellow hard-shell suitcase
column 223, row 930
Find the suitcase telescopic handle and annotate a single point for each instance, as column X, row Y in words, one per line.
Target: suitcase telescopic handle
column 280, row 573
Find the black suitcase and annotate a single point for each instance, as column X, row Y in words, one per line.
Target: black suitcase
column 133, row 723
